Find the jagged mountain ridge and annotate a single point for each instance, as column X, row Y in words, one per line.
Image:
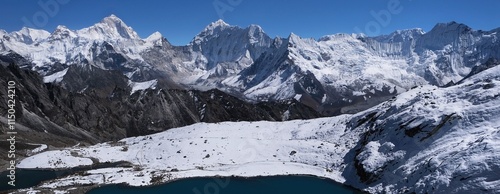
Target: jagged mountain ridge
column 339, row 73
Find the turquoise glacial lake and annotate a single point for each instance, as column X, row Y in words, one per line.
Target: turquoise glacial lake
column 233, row 185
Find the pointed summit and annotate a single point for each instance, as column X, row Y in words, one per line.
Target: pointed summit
column 255, row 27
column 110, row 27
column 155, row 36
column 29, row 35
column 293, row 37
column 112, row 16
column 213, row 28
column 61, row 32
column 401, row 35
column 255, row 30
column 257, row 35
column 297, row 41
column 450, row 26
column 219, row 22
column 443, row 34
column 60, row 29
column 112, row 19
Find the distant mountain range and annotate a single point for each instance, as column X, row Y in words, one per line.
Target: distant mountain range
column 341, row 73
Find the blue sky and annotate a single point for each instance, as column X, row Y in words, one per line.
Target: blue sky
column 179, row 21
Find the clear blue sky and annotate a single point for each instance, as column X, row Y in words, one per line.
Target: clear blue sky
column 180, row 20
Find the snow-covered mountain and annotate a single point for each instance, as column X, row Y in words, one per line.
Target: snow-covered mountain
column 339, row 73
column 427, row 140
column 30, row 36
column 109, row 44
column 431, row 140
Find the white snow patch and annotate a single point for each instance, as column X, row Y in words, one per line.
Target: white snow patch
column 374, row 156
column 138, row 86
column 286, row 115
column 42, row 148
column 358, row 93
column 297, row 97
column 54, row 159
column 55, row 77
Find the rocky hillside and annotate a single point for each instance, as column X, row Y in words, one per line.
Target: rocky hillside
column 51, row 114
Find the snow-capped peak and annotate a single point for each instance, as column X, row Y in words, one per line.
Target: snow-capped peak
column 450, row 26
column 29, row 35
column 257, row 34
column 213, row 28
column 155, row 39
column 61, row 32
column 255, row 28
column 61, row 28
column 401, row 35
column 113, row 17
column 218, row 23
column 293, row 37
column 444, row 34
column 297, row 41
column 155, row 36
column 340, row 36
column 113, row 21
column 110, row 27
column 410, row 31
column 219, row 28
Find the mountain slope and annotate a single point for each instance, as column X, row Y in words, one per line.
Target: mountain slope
column 430, row 139
column 427, row 140
column 49, row 114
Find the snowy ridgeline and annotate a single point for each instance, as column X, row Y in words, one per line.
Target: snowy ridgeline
column 247, row 62
column 429, row 139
